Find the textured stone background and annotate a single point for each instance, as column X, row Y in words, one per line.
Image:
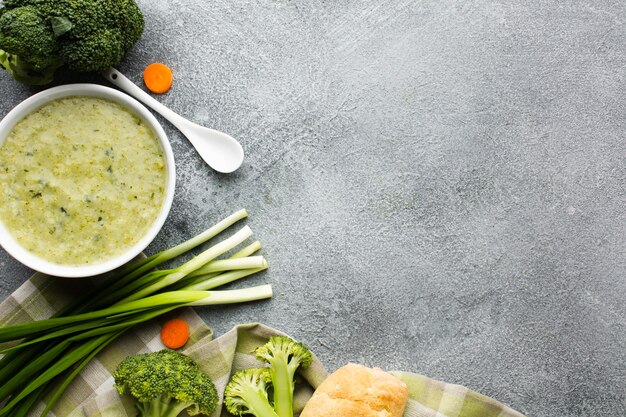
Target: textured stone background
column 439, row 186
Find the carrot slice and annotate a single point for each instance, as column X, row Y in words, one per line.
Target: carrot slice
column 158, row 78
column 175, row 333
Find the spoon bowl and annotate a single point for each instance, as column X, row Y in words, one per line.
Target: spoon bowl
column 220, row 151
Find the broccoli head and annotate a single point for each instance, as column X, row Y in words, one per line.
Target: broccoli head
column 246, row 393
column 39, row 36
column 165, row 383
column 28, row 48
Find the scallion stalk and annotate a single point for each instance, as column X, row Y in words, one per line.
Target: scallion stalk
column 53, row 351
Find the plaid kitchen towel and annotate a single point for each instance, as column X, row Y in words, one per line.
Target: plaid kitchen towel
column 92, row 393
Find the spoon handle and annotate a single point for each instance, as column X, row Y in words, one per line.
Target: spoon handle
column 120, row 80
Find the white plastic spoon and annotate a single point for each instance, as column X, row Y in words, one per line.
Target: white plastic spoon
column 219, row 150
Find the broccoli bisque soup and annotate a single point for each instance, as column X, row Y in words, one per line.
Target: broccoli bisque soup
column 82, row 179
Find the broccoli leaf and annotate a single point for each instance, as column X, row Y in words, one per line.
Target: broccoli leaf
column 60, row 25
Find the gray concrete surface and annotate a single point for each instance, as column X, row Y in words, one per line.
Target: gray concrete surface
column 439, row 186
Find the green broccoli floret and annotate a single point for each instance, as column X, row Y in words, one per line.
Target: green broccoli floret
column 39, row 36
column 284, row 357
column 28, row 48
column 165, row 383
column 246, row 392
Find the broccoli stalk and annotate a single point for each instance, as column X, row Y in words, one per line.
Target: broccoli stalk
column 39, row 36
column 246, row 393
column 165, row 383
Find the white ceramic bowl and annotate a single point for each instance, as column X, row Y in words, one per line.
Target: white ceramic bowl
column 71, row 271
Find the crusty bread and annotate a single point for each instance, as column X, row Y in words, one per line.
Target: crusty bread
column 357, row 391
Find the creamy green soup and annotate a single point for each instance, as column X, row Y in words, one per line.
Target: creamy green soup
column 82, row 179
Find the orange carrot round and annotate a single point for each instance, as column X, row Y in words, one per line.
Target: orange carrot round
column 158, row 78
column 175, row 333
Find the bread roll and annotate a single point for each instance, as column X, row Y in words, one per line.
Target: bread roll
column 357, row 391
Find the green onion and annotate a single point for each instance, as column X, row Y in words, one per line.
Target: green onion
column 59, row 390
column 50, row 353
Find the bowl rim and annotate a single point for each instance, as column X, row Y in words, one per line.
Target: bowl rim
column 34, row 102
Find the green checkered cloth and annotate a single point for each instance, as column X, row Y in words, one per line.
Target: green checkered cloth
column 92, row 393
